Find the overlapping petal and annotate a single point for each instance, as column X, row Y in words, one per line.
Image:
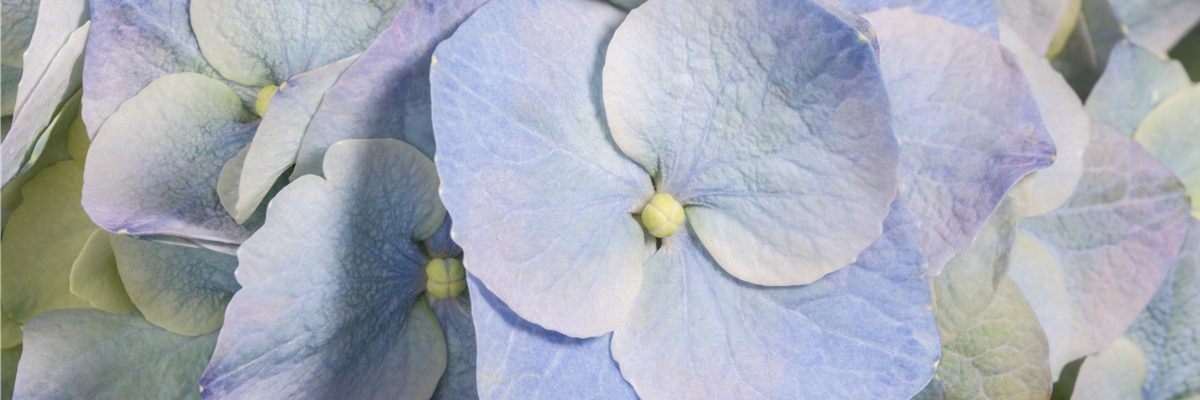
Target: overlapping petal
column 1117, row 373
column 1086, row 52
column 1133, row 83
column 454, row 317
column 94, row 276
column 19, row 20
column 1090, row 267
column 1159, row 24
column 977, row 14
column 278, row 137
column 154, row 165
column 181, row 289
column 330, row 305
column 1065, row 121
column 134, row 42
column 1169, row 134
column 385, row 94
column 265, row 43
column 1044, row 24
column 864, row 331
column 520, row 360
column 771, row 128
column 967, row 122
column 99, row 355
column 541, row 196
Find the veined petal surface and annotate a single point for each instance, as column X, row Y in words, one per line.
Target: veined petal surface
column 864, row 331
column 542, row 198
column 134, row 42
column 967, row 83
column 454, row 317
column 977, row 14
column 154, row 165
column 1090, row 267
column 520, row 360
column 181, row 289
column 93, row 354
column 329, row 306
column 767, row 120
column 1169, row 134
column 1065, row 119
column 385, row 94
column 260, row 43
column 278, row 137
column 1133, row 83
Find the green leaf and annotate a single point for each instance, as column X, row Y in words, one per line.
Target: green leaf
column 99, row 355
column 94, row 276
column 1004, row 354
column 41, row 243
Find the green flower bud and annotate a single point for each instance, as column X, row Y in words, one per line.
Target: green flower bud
column 264, row 99
column 663, row 215
column 447, row 277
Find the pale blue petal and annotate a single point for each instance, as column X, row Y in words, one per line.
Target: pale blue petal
column 1169, row 133
column 385, row 94
column 19, row 20
column 257, row 43
column 1065, row 119
column 329, row 306
column 1091, row 266
column 154, row 165
column 92, row 354
column 134, row 42
column 50, row 45
column 1134, row 81
column 1117, row 373
column 440, row 245
column 966, row 83
column 520, row 360
column 454, row 316
column 771, row 128
column 278, row 138
column 1043, row 24
column 541, row 197
column 38, row 98
column 181, row 289
column 1157, row 24
column 1168, row 330
column 864, row 331
column 977, row 14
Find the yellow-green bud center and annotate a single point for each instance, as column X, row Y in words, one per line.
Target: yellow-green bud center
column 447, row 277
column 663, row 215
column 264, row 99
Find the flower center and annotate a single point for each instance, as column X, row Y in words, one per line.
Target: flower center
column 663, row 215
column 447, row 277
column 264, row 99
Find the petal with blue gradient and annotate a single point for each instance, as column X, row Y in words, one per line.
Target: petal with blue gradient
column 154, row 165
column 1157, row 25
column 864, row 331
column 520, row 360
column 385, row 94
column 1169, row 134
column 75, row 354
column 454, row 316
column 1133, row 83
column 1065, row 119
column 278, row 137
column 329, row 306
column 771, row 127
column 966, row 83
column 542, row 198
column 134, row 42
column 265, row 43
column 977, row 14
column 181, row 289
column 1090, row 267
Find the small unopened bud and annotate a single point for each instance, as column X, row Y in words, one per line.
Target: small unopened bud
column 447, row 277
column 663, row 215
